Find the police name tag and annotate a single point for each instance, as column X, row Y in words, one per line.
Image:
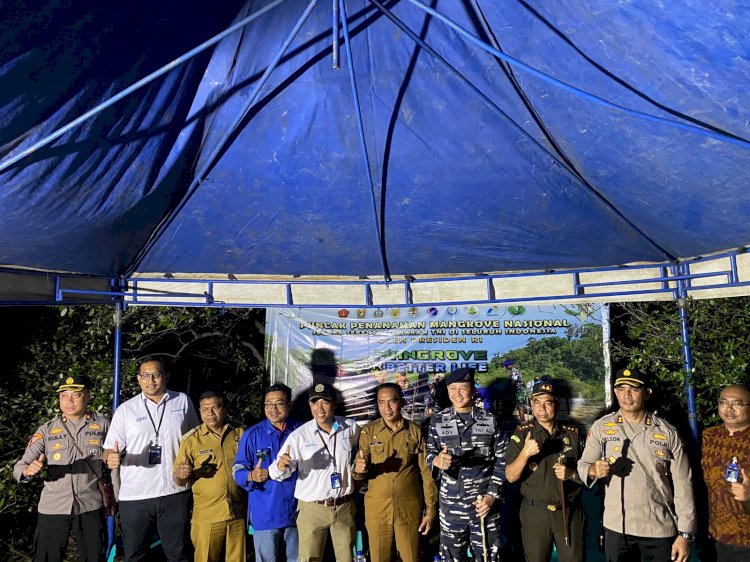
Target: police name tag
column 447, row 429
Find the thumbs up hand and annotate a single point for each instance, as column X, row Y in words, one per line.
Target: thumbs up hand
column 183, row 470
column 444, row 459
column 35, row 466
column 360, row 466
column 530, row 446
column 259, row 474
column 285, row 460
column 113, row 459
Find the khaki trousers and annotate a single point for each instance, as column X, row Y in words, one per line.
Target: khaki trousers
column 381, row 536
column 314, row 521
column 216, row 542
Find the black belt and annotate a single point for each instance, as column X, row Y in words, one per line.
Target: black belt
column 333, row 502
column 549, row 506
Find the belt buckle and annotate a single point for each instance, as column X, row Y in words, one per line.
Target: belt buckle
column 551, row 507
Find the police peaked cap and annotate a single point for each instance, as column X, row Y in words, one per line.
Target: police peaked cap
column 632, row 377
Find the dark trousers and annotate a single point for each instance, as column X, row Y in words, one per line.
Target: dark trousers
column 167, row 514
column 729, row 553
column 540, row 528
column 52, row 531
column 628, row 548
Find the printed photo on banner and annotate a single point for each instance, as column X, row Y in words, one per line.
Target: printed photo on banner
column 510, row 347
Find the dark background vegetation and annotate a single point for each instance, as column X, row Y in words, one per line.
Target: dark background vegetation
column 224, row 348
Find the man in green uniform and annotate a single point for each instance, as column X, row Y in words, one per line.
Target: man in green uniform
column 542, row 455
column 401, row 498
column 205, row 458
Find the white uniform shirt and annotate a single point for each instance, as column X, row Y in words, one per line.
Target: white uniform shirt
column 134, row 432
column 314, row 464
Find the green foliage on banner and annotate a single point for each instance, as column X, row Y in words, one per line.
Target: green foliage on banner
column 209, row 347
column 720, row 342
column 575, row 359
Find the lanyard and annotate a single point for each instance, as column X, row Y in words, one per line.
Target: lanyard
column 333, row 456
column 161, row 419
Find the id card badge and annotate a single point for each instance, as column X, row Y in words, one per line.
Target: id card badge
column 335, row 481
column 154, row 454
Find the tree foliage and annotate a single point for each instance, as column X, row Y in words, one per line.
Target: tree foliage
column 720, row 343
column 575, row 359
column 208, row 347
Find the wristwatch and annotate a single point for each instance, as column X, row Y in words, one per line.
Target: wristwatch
column 690, row 537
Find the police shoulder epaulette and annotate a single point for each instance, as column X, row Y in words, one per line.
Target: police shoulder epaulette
column 569, row 427
column 525, row 426
column 189, row 433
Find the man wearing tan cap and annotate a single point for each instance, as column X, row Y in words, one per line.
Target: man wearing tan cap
column 70, row 447
column 649, row 513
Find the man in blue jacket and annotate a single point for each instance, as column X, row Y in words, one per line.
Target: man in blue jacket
column 271, row 504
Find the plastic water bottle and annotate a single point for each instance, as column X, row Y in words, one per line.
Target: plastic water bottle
column 733, row 471
column 360, row 557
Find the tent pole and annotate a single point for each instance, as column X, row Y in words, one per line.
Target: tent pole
column 335, row 30
column 362, row 140
column 116, row 385
column 687, row 354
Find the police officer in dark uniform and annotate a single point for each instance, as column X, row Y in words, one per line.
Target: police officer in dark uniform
column 542, row 455
column 466, row 446
column 70, row 446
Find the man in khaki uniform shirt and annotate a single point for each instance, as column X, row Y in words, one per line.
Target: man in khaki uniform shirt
column 649, row 513
column 401, row 498
column 205, row 458
column 71, row 500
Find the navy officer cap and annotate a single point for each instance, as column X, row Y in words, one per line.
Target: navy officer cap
column 465, row 374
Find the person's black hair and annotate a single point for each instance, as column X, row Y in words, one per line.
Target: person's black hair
column 278, row 387
column 211, row 393
column 160, row 359
column 392, row 385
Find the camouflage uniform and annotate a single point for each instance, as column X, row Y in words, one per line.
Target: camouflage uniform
column 478, row 468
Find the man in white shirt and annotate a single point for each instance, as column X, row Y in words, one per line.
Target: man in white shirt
column 321, row 451
column 143, row 441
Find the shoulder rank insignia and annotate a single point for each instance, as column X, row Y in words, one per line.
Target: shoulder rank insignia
column 188, row 434
column 571, row 428
column 525, row 427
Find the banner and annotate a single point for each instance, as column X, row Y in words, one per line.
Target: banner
column 510, row 348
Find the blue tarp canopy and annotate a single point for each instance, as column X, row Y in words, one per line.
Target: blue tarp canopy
column 456, row 137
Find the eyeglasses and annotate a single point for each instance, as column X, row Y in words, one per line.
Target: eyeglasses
column 275, row 405
column 157, row 376
column 732, row 403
